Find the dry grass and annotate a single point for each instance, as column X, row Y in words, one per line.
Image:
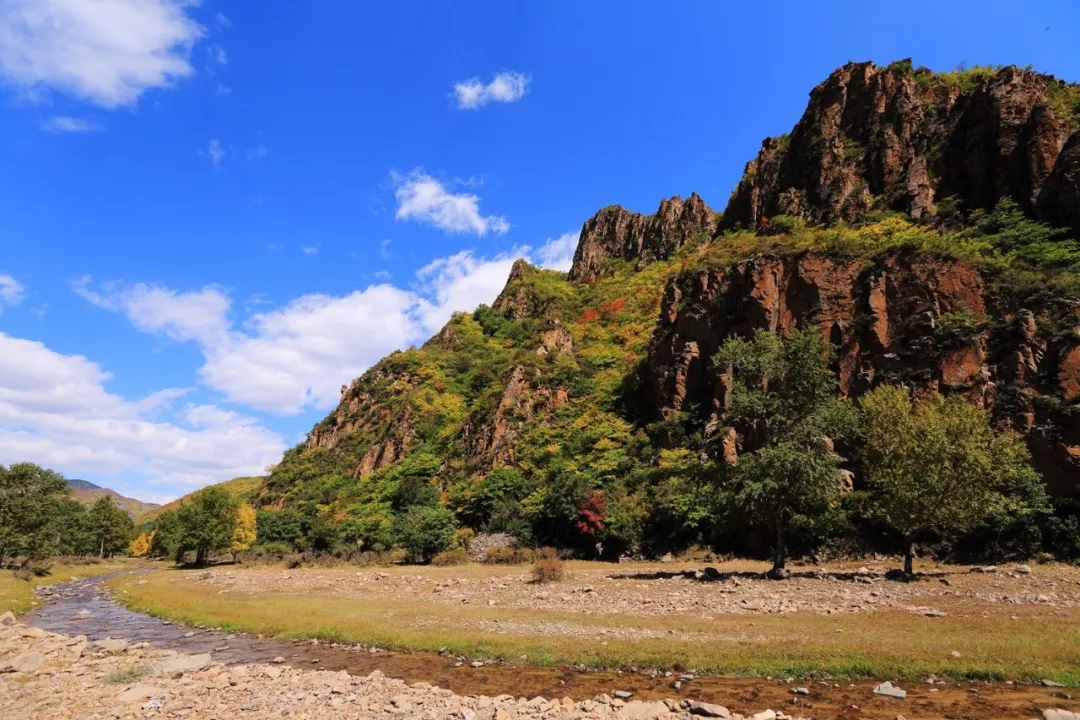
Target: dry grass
column 18, row 595
column 881, row 644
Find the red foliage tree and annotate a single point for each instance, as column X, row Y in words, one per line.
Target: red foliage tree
column 592, row 513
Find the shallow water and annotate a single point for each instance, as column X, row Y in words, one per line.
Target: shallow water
column 748, row 695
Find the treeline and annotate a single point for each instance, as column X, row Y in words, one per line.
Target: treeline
column 814, row 473
column 39, row 519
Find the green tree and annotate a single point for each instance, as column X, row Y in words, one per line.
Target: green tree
column 937, row 465
column 784, row 405
column 29, row 503
column 206, row 524
column 424, row 531
column 110, row 526
column 71, row 524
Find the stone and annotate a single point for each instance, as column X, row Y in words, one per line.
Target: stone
column 801, row 691
column 81, row 615
column 8, row 619
column 272, row 672
column 1022, row 570
column 138, row 693
column 985, row 569
column 278, row 660
column 1056, row 714
column 181, row 664
column 705, row 709
column 109, row 645
column 889, row 690
column 638, row 710
column 1051, row 684
column 764, row 715
column 623, row 694
column 27, row 662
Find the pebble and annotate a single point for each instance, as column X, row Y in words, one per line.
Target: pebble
column 889, row 690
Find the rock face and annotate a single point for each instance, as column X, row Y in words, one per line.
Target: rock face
column 617, row 233
column 934, row 325
column 906, row 140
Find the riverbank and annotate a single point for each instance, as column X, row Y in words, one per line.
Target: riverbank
column 842, row 621
column 17, row 595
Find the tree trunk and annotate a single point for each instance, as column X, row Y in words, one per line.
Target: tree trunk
column 909, row 554
column 101, row 553
column 780, row 552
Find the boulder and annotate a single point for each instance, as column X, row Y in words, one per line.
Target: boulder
column 8, row 619
column 27, row 662
column 638, row 710
column 181, row 664
column 109, row 645
column 708, row 710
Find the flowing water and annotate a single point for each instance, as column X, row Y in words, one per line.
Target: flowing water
column 841, row 699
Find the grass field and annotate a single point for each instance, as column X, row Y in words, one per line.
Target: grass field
column 18, row 595
column 881, row 644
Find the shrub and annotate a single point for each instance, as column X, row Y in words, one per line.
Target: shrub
column 548, row 569
column 126, row 676
column 508, row 556
column 463, row 538
column 450, row 557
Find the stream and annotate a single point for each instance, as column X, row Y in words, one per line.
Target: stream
column 108, row 618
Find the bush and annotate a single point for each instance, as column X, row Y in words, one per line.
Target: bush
column 425, row 531
column 508, row 556
column 548, row 569
column 450, row 557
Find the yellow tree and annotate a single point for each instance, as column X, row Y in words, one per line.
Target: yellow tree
column 244, row 534
column 140, row 546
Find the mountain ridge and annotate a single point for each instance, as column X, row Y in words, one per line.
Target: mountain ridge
column 601, row 380
column 88, row 493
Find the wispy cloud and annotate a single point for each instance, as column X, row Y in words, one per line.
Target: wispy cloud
column 215, row 152
column 218, row 55
column 422, row 198
column 221, row 89
column 259, row 151
column 506, row 87
column 12, row 292
column 309, row 249
column 108, row 52
column 66, row 124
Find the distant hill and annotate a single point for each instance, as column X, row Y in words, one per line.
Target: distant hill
column 88, row 493
column 242, row 488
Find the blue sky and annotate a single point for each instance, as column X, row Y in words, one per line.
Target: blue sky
column 217, row 213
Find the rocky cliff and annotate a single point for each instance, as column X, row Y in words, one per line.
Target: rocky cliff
column 907, row 140
column 932, row 324
column 617, row 233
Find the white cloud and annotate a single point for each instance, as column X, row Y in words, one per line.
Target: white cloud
column 55, row 411
column 108, row 52
column 257, row 152
column 12, row 292
column 65, row 124
column 309, row 249
column 199, row 315
column 506, row 87
column 558, row 253
column 422, row 198
column 221, row 90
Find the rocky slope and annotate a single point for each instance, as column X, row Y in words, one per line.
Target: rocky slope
column 901, row 216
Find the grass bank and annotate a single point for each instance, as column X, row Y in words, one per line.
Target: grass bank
column 882, row 644
column 17, row 595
